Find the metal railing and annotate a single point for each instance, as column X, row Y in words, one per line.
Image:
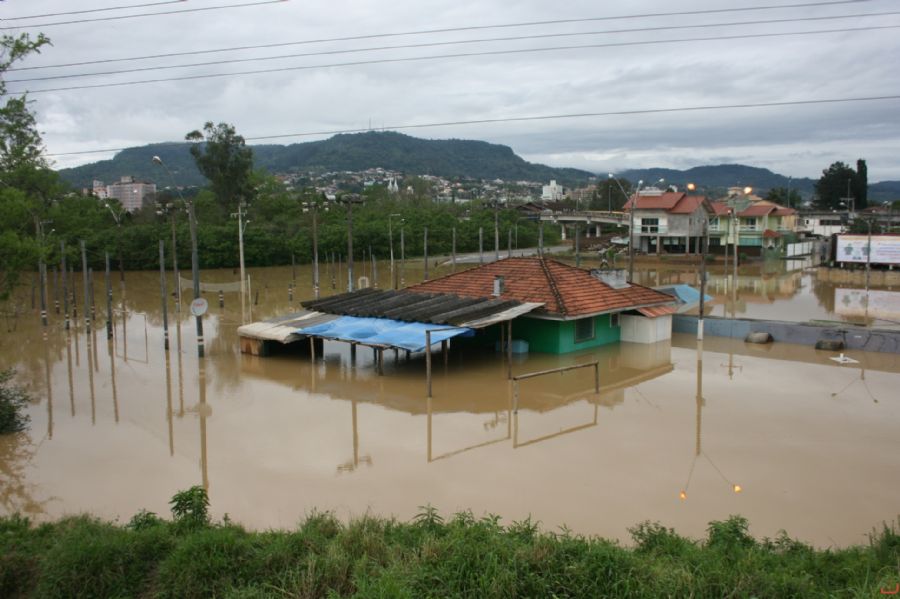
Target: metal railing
column 595, row 365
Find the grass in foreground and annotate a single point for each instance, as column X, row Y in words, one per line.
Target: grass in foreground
column 462, row 557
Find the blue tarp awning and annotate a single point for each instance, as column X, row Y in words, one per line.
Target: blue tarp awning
column 685, row 294
column 383, row 331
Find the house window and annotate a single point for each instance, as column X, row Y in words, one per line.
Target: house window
column 584, row 329
column 750, row 224
column 614, row 320
column 649, row 225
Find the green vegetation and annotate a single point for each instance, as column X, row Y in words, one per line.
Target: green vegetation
column 839, row 183
column 451, row 158
column 462, row 556
column 13, row 400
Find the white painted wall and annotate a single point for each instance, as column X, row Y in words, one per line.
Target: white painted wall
column 640, row 329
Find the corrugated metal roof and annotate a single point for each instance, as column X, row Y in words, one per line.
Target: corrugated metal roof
column 384, row 332
column 432, row 308
column 284, row 328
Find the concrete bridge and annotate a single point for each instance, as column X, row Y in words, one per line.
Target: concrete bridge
column 590, row 218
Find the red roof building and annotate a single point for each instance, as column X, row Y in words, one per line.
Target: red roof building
column 581, row 309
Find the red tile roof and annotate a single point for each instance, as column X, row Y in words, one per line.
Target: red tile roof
column 770, row 234
column 563, row 289
column 758, row 209
column 664, row 201
column 721, row 208
column 673, row 202
column 782, row 211
column 656, row 311
column 687, row 205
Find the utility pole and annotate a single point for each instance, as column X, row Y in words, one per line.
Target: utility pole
column 195, row 258
column 315, row 223
column 496, row 230
column 240, row 215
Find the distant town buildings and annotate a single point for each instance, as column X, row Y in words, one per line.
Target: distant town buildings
column 130, row 192
column 553, row 192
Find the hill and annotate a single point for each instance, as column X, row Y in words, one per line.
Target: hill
column 349, row 152
column 723, row 176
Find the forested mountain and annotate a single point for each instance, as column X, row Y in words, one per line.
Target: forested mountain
column 349, row 152
column 442, row 157
column 722, row 176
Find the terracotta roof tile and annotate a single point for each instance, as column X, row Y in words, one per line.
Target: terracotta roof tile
column 687, row 205
column 758, row 209
column 563, row 289
column 664, row 201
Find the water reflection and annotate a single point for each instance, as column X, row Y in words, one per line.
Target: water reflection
column 700, row 402
column 290, row 435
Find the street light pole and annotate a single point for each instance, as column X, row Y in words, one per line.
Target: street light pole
column 195, row 258
column 634, row 200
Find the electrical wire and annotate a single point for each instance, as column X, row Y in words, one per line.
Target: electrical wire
column 540, row 118
column 145, row 14
column 93, row 10
column 448, row 43
column 449, row 56
column 443, row 30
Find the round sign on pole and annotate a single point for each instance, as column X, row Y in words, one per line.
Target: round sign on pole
column 199, row 306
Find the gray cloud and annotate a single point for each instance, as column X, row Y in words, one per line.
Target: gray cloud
column 795, row 140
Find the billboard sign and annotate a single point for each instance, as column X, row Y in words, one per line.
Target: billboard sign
column 855, row 248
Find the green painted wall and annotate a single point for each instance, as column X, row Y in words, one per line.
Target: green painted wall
column 558, row 337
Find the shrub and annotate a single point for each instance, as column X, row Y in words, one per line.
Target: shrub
column 190, row 508
column 13, row 400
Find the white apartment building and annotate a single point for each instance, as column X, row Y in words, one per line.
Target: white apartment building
column 130, row 193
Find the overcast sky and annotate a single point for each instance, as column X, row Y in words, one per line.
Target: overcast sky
column 796, row 140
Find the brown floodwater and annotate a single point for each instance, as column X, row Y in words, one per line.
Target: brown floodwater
column 119, row 426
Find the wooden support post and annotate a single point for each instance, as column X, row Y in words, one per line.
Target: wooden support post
column 596, row 377
column 444, row 352
column 87, row 302
column 428, row 364
column 509, row 350
column 353, row 353
column 425, row 248
column 65, row 281
column 515, row 396
column 162, row 294
column 312, row 349
column 109, row 325
column 381, row 361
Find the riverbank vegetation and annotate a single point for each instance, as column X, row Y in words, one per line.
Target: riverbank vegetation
column 13, row 402
column 460, row 556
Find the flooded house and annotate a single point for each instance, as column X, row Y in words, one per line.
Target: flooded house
column 541, row 305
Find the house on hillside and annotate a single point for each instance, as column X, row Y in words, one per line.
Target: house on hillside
column 580, row 309
column 668, row 221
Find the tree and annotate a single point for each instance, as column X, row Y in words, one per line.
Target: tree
column 784, row 197
column 609, row 196
column 26, row 184
column 862, row 184
column 226, row 161
column 833, row 186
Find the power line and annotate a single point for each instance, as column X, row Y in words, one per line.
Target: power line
column 148, row 14
column 450, row 56
column 547, row 117
column 92, row 10
column 452, row 43
column 444, row 30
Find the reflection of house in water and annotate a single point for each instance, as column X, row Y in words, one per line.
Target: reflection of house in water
column 470, row 384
